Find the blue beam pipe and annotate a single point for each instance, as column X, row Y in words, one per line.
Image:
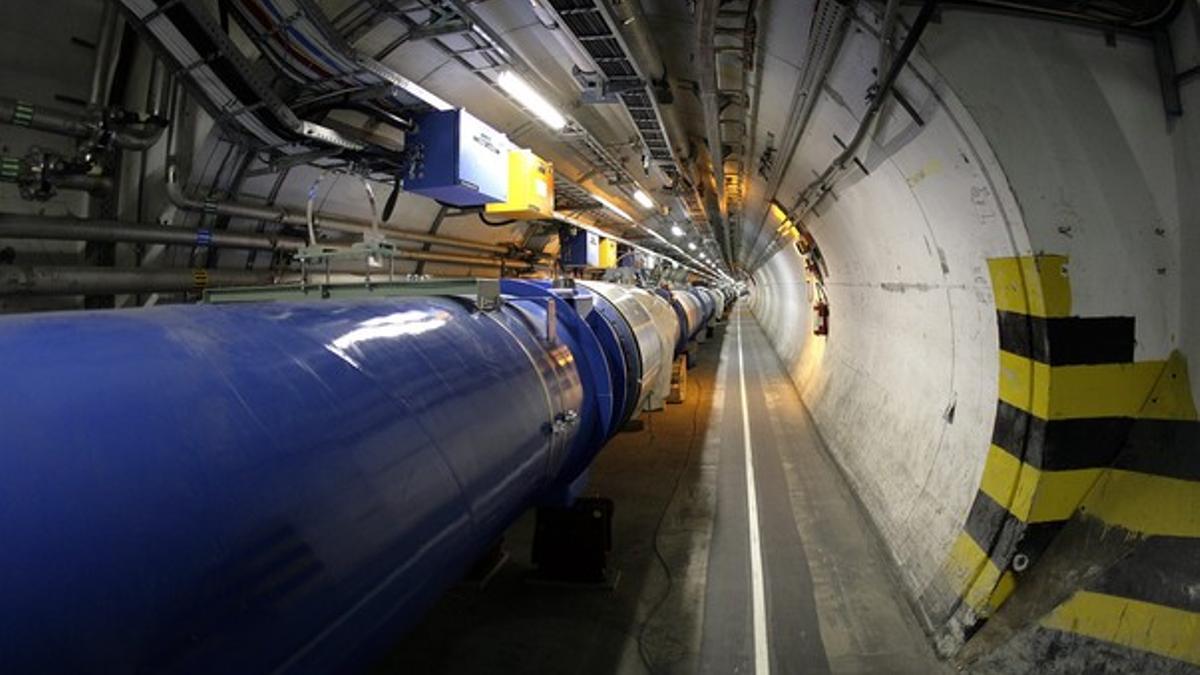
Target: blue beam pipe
column 278, row 487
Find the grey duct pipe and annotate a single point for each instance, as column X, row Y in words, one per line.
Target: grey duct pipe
column 55, row 121
column 30, row 177
column 31, row 280
column 73, row 229
column 465, row 260
column 281, row 215
column 25, row 280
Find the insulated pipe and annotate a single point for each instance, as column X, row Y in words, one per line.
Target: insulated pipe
column 652, row 358
column 281, row 215
column 267, row 487
column 706, row 301
column 29, row 280
column 666, row 325
column 691, row 316
column 43, row 118
column 75, row 229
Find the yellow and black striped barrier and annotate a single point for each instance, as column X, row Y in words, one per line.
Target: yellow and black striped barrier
column 1083, row 432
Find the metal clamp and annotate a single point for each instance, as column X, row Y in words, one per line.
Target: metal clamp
column 565, row 421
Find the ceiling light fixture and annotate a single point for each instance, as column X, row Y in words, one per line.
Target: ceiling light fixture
column 692, row 245
column 643, row 199
column 524, row 94
column 612, row 207
column 677, row 230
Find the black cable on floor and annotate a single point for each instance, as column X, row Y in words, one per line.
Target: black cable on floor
column 643, row 654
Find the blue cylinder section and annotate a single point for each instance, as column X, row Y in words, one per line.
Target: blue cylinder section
column 272, row 487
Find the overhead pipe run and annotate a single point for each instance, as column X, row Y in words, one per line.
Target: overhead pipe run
column 74, row 229
column 29, row 280
column 284, row 216
column 819, row 187
column 831, row 21
column 104, row 126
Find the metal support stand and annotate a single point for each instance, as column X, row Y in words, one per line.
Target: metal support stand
column 679, row 379
column 571, row 544
column 486, row 567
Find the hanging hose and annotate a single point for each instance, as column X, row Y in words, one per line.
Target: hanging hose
column 308, row 211
column 495, row 223
column 374, row 209
column 390, row 205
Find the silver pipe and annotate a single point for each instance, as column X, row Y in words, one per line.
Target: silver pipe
column 73, row 229
column 466, row 260
column 55, row 121
column 279, row 214
column 29, row 280
column 109, row 23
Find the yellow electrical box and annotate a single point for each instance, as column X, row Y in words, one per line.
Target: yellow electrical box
column 530, row 188
column 608, row 253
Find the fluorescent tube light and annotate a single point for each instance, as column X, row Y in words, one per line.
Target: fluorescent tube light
column 612, row 207
column 524, row 94
column 643, row 199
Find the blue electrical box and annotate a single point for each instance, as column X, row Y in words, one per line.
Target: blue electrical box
column 461, row 161
column 579, row 248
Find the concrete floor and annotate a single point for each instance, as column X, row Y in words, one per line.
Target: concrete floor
column 684, row 603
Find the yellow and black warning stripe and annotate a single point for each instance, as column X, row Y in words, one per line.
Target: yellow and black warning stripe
column 1080, row 427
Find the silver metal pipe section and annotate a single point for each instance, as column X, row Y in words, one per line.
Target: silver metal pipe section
column 55, row 121
column 30, row 280
column 73, row 229
column 278, row 214
column 82, row 182
column 465, row 260
column 105, row 53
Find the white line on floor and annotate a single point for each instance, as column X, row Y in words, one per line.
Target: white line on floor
column 762, row 655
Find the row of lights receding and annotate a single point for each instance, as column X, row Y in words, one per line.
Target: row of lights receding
column 521, row 91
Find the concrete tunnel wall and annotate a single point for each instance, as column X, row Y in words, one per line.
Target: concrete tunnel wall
column 1045, row 188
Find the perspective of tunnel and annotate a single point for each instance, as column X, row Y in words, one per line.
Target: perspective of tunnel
column 599, row 336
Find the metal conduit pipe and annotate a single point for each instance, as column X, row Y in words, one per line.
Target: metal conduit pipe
column 818, row 63
column 278, row 214
column 329, row 469
column 706, row 77
column 110, row 23
column 466, row 260
column 820, row 186
column 32, row 280
column 74, row 229
column 55, row 121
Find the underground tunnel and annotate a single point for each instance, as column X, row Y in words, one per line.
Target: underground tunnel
column 599, row 336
